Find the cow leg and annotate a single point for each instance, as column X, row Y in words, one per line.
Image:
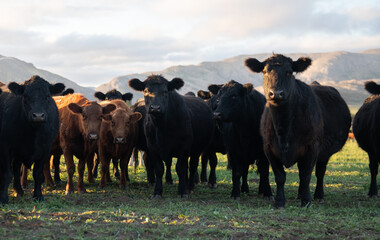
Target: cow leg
column 244, row 184
column 56, row 162
column 212, row 177
column 373, row 167
column 90, row 166
column 70, row 168
column 263, row 169
column 24, row 176
column 16, row 178
column 48, row 179
column 168, row 175
column 305, row 170
column 149, row 167
column 124, row 169
column 38, row 177
column 194, row 161
column 116, row 173
column 5, row 179
column 105, row 169
column 320, row 170
column 182, row 172
column 159, row 170
column 280, row 178
column 204, row 161
column 81, row 167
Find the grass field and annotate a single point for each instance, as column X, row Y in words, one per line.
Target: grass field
column 208, row 214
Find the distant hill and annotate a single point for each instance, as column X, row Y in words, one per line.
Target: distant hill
column 15, row 70
column 346, row 71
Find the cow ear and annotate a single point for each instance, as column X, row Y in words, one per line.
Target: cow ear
column 175, row 83
column 127, row 96
column 214, row 88
column 56, row 88
column 1, row 90
column 75, row 108
column 109, row 108
column 254, row 64
column 16, row 88
column 301, row 64
column 68, row 91
column 136, row 84
column 204, row 95
column 372, row 87
column 100, row 96
column 135, row 117
column 248, row 87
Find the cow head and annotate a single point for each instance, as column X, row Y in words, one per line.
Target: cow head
column 36, row 94
column 278, row 75
column 112, row 95
column 156, row 92
column 230, row 99
column 91, row 114
column 121, row 123
column 211, row 96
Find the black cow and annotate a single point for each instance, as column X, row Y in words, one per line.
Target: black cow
column 112, row 95
column 240, row 108
column 175, row 126
column 366, row 127
column 108, row 96
column 303, row 124
column 217, row 144
column 29, row 124
column 141, row 145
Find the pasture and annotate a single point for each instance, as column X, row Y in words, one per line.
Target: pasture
column 208, row 213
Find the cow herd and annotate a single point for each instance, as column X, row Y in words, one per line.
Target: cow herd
column 292, row 123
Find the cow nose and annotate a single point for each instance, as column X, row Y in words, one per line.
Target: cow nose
column 276, row 94
column 154, row 109
column 217, row 115
column 38, row 117
column 92, row 136
column 119, row 140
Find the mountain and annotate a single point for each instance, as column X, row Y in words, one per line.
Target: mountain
column 15, row 70
column 347, row 71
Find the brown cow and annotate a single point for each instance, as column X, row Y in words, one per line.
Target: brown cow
column 79, row 129
column 118, row 137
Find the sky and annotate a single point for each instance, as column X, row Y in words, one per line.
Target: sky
column 93, row 41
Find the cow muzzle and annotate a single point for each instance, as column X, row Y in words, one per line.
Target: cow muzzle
column 38, row 117
column 218, row 115
column 155, row 109
column 276, row 95
column 92, row 136
column 119, row 140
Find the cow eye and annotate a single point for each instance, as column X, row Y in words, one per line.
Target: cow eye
column 100, row 118
column 113, row 123
column 84, row 117
column 288, row 74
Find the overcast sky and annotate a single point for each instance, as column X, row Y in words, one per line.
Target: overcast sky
column 93, row 41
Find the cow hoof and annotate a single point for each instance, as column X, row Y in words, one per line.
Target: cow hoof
column 279, row 205
column 185, row 196
column 39, row 198
column 69, row 192
column 372, row 196
column 122, row 187
column 156, row 196
column 82, row 191
column 236, row 198
column 212, row 185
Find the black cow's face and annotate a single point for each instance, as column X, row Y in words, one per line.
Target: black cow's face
column 112, row 95
column 36, row 95
column 230, row 100
column 278, row 82
column 156, row 91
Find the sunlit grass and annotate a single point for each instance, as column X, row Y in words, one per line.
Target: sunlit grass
column 208, row 213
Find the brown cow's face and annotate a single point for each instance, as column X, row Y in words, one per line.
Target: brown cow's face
column 121, row 123
column 92, row 115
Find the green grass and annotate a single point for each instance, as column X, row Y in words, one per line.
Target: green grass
column 208, row 214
